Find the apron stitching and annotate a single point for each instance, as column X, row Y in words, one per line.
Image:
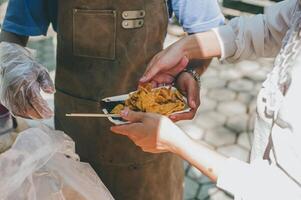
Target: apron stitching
column 91, row 101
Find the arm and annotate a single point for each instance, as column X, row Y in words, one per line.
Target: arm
column 13, row 38
column 193, row 21
column 22, row 77
column 258, row 180
column 157, row 134
column 242, row 38
column 256, row 36
column 206, row 160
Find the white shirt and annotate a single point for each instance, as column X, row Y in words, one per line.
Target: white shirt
column 250, row 37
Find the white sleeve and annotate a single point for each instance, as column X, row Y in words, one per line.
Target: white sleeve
column 256, row 36
column 259, row 180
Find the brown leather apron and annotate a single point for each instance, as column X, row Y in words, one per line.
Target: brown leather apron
column 103, row 49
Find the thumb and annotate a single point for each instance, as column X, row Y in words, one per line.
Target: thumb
column 132, row 116
column 180, row 66
column 192, row 95
column 45, row 82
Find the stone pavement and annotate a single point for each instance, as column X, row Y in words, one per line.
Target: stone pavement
column 224, row 121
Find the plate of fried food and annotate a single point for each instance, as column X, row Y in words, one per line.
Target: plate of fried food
column 165, row 100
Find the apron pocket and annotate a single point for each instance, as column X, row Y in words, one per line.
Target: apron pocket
column 94, row 33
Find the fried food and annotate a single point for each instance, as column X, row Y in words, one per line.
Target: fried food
column 118, row 109
column 164, row 101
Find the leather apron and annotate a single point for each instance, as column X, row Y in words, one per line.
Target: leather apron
column 103, row 49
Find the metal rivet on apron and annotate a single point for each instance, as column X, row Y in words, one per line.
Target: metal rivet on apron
column 133, row 14
column 132, row 24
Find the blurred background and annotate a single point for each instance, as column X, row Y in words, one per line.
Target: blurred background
column 225, row 120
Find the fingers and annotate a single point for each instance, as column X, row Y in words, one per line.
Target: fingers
column 132, row 116
column 41, row 108
column 154, row 68
column 134, row 132
column 39, row 105
column 129, row 130
column 45, row 82
column 193, row 95
column 183, row 116
column 16, row 100
column 163, row 79
column 153, row 71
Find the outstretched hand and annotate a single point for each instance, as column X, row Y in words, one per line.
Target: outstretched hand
column 153, row 133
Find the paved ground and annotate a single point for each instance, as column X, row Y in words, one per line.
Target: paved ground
column 224, row 121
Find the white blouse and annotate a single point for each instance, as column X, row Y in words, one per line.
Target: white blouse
column 263, row 36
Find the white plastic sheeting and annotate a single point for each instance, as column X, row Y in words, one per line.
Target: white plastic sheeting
column 42, row 165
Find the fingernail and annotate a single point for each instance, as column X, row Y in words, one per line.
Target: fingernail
column 172, row 117
column 125, row 112
column 193, row 105
column 143, row 79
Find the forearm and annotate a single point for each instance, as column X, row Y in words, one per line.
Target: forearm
column 201, row 46
column 13, row 38
column 207, row 161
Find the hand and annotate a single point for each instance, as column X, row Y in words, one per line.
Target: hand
column 190, row 88
column 165, row 66
column 152, row 132
column 21, row 80
column 168, row 77
column 169, row 62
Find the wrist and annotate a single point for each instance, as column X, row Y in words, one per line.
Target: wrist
column 201, row 46
column 188, row 46
column 13, row 38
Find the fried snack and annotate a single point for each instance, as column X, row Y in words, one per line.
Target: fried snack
column 164, row 101
column 117, row 109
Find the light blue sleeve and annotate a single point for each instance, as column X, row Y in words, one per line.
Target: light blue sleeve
column 198, row 15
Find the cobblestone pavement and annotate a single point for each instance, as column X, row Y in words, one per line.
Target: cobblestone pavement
column 224, row 121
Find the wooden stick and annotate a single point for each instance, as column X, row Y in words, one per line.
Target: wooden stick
column 91, row 115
